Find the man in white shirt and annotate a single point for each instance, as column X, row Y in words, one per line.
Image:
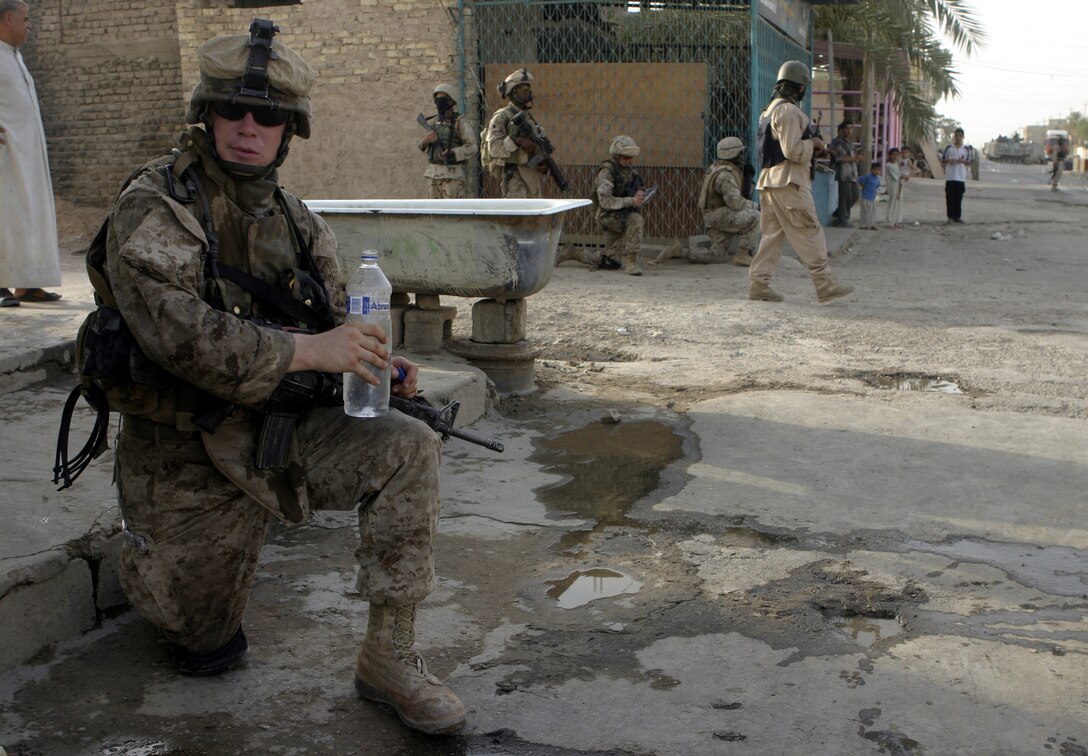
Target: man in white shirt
column 955, row 158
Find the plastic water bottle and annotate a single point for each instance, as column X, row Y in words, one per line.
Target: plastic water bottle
column 368, row 295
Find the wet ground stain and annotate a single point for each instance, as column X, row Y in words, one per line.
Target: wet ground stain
column 607, row 466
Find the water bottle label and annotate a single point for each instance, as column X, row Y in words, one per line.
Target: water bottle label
column 365, row 306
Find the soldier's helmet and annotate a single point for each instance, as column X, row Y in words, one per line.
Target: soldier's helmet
column 228, row 73
column 623, row 146
column 795, row 71
column 521, row 76
column 445, row 89
column 729, row 148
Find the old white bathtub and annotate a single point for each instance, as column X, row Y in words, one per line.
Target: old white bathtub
column 494, row 248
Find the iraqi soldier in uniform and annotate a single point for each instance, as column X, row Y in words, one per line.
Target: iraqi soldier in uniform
column 507, row 144
column 787, row 210
column 618, row 197
column 196, row 506
column 727, row 212
column 449, row 143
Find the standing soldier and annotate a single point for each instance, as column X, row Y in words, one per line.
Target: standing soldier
column 618, row 195
column 508, row 150
column 787, row 210
column 449, row 142
column 727, row 211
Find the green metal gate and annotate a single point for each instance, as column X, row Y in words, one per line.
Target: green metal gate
column 677, row 77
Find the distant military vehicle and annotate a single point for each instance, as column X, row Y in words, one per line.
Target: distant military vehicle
column 1005, row 150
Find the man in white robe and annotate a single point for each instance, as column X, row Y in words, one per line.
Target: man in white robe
column 29, row 254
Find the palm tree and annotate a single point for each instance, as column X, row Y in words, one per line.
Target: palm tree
column 902, row 48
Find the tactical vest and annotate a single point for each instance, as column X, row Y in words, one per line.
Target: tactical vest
column 710, row 199
column 254, row 239
column 448, row 139
column 623, row 185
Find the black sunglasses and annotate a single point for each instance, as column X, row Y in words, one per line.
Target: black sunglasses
column 263, row 116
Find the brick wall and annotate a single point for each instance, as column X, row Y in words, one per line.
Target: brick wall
column 114, row 76
column 108, row 83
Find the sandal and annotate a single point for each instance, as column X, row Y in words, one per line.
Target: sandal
column 38, row 295
column 7, row 299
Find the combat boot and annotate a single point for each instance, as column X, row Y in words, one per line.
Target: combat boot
column 743, row 258
column 763, row 292
column 826, row 290
column 388, row 671
column 630, row 264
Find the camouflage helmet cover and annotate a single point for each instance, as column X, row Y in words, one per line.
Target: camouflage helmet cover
column 223, row 62
column 521, row 76
column 795, row 71
column 623, row 146
column 447, row 90
column 729, row 148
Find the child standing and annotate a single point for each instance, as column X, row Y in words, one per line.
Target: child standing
column 870, row 182
column 894, row 181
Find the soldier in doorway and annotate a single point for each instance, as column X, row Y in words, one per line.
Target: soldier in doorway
column 449, row 142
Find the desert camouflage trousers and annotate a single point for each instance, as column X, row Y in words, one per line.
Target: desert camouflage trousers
column 725, row 225
column 193, row 540
column 623, row 232
column 445, row 188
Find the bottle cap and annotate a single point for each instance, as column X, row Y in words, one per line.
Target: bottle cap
column 369, row 254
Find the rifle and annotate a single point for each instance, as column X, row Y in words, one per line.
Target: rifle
column 300, row 391
column 422, row 121
column 544, row 149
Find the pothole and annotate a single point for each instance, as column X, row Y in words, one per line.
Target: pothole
column 914, row 382
column 583, row 586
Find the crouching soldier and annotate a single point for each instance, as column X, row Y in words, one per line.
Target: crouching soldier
column 618, row 197
column 203, row 254
column 727, row 211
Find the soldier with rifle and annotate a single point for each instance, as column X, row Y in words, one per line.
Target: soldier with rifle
column 449, row 142
column 202, row 252
column 515, row 148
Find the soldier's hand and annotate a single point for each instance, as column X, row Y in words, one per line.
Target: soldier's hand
column 431, row 138
column 543, row 169
column 348, row 348
column 526, row 144
column 818, row 144
column 640, row 197
column 406, row 386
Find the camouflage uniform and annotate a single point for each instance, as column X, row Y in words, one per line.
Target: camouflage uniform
column 446, row 176
column 193, row 500
column 519, row 181
column 727, row 214
column 619, row 219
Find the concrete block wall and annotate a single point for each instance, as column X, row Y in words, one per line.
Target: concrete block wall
column 113, row 78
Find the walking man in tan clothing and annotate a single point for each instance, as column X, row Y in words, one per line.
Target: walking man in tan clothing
column 787, row 211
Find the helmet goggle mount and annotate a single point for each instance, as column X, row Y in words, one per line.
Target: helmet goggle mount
column 255, row 80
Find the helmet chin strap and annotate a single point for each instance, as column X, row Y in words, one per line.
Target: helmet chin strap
column 245, row 171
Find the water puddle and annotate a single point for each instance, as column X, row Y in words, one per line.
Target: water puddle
column 866, row 631
column 912, row 382
column 607, row 466
column 581, row 587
